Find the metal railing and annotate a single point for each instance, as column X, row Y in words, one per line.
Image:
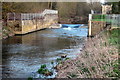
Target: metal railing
column 24, row 16
column 30, row 16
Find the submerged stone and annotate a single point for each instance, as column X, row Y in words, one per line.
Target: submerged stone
column 64, row 56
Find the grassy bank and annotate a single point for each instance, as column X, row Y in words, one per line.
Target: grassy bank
column 99, row 58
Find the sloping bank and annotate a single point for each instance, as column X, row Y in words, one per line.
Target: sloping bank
column 99, row 58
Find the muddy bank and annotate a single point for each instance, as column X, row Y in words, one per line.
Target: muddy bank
column 99, row 59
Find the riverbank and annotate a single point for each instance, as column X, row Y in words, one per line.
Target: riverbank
column 99, row 58
column 6, row 33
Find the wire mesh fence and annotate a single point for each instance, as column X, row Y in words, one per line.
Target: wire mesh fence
column 24, row 16
column 112, row 19
column 30, row 16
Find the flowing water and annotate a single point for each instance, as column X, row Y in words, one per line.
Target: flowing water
column 23, row 55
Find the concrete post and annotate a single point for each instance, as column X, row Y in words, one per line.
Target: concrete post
column 90, row 18
column 90, row 28
column 21, row 17
column 14, row 16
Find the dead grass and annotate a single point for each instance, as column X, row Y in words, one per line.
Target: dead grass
column 95, row 61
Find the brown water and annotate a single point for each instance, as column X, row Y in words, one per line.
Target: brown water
column 23, row 55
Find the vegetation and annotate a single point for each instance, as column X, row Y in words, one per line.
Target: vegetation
column 43, row 70
column 113, row 36
column 6, row 32
column 23, row 7
column 74, row 13
column 43, row 66
column 116, row 7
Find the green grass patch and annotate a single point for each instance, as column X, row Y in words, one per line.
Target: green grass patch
column 116, row 69
column 43, row 70
column 115, row 73
column 114, row 36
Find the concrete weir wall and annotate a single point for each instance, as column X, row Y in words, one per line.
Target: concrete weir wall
column 29, row 22
column 26, row 26
column 33, row 25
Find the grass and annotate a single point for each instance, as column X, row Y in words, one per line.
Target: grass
column 116, row 69
column 114, row 36
column 115, row 73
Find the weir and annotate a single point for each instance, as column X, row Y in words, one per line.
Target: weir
column 71, row 25
column 22, row 23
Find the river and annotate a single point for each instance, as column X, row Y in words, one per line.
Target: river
column 23, row 55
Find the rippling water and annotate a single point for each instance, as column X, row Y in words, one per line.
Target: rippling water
column 23, row 55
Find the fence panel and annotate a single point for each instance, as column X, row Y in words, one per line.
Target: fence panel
column 112, row 19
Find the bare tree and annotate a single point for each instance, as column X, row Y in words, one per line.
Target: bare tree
column 95, row 6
